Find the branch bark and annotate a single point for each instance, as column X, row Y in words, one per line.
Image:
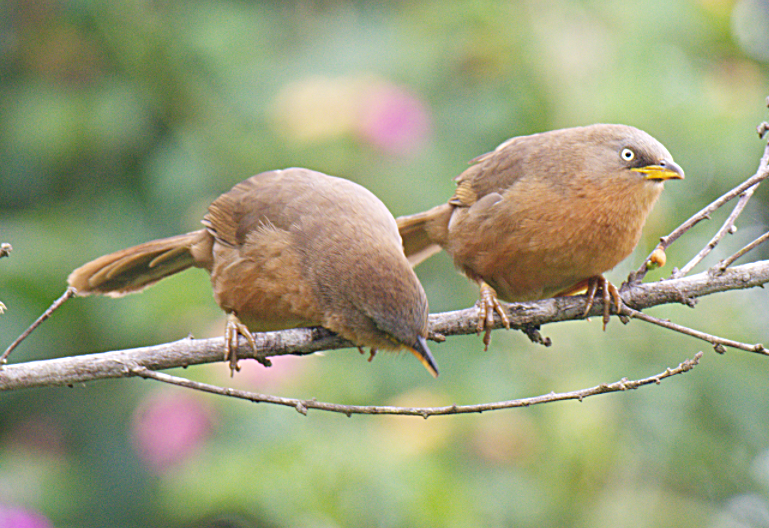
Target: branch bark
column 303, row 406
column 303, row 341
column 528, row 317
column 745, row 191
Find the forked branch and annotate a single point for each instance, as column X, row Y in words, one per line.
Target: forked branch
column 303, row 341
column 528, row 317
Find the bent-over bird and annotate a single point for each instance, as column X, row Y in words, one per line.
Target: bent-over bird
column 286, row 249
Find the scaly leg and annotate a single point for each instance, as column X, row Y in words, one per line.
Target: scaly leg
column 609, row 292
column 487, row 305
column 372, row 353
column 232, row 330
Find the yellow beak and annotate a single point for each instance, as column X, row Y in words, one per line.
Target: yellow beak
column 666, row 170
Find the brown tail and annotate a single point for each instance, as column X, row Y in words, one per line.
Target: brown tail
column 135, row 268
column 424, row 233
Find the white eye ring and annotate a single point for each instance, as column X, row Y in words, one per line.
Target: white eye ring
column 627, row 154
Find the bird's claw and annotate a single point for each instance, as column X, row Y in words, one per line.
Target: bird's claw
column 609, row 292
column 232, row 330
column 372, row 352
column 487, row 305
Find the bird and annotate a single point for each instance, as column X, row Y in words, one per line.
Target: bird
column 285, row 249
column 546, row 214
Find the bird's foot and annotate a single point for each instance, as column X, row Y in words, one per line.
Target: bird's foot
column 232, row 330
column 487, row 305
column 609, row 292
column 372, row 353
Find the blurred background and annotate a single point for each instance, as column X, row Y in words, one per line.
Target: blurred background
column 121, row 121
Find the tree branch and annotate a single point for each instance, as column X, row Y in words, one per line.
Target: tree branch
column 719, row 343
column 5, row 251
column 747, row 187
column 728, row 228
column 725, row 263
column 68, row 294
column 528, row 317
column 303, row 406
column 302, row 341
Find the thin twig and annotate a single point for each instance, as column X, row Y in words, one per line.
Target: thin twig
column 58, row 302
column 721, row 266
column 303, row 406
column 704, row 214
column 5, row 251
column 718, row 342
column 728, row 227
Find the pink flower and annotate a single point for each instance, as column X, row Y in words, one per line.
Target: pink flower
column 373, row 110
column 167, row 429
column 16, row 517
column 393, row 119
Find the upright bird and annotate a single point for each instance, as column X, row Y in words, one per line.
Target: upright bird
column 286, row 249
column 546, row 215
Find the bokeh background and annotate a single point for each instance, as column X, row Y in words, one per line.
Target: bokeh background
column 120, row 121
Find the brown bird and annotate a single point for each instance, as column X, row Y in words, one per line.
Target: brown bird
column 286, row 249
column 546, row 215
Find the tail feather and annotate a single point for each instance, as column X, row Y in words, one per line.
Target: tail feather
column 424, row 233
column 133, row 269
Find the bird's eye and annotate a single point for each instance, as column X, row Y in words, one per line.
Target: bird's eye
column 627, row 154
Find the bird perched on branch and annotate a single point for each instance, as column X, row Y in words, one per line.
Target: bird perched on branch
column 546, row 215
column 286, row 249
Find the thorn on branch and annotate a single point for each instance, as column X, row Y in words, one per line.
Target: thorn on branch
column 684, row 299
column 437, row 337
column 532, row 332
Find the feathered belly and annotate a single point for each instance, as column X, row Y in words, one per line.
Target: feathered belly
column 541, row 261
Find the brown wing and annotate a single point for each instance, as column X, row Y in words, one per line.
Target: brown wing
column 256, row 202
column 494, row 171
